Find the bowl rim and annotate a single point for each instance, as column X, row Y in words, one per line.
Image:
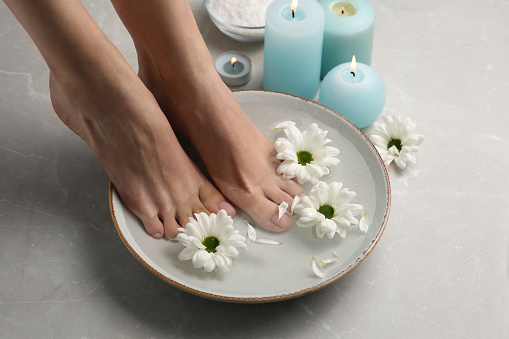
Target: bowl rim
column 215, row 17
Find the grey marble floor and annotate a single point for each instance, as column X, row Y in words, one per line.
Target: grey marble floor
column 440, row 269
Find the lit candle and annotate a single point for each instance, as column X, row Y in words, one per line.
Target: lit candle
column 349, row 30
column 293, row 47
column 234, row 68
column 354, row 90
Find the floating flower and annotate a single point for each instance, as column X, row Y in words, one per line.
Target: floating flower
column 211, row 241
column 304, row 154
column 328, row 207
column 394, row 140
column 251, row 235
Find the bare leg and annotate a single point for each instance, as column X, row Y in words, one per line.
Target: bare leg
column 97, row 94
column 176, row 66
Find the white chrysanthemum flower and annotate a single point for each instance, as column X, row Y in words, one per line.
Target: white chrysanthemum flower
column 211, row 241
column 394, row 140
column 328, row 207
column 304, row 154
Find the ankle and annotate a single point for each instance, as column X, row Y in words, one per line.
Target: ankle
column 183, row 73
column 190, row 87
column 98, row 66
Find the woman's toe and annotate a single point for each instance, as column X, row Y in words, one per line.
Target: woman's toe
column 214, row 201
column 266, row 213
column 170, row 225
column 154, row 226
column 277, row 195
column 291, row 187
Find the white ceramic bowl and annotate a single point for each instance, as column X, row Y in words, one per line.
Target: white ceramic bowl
column 240, row 33
column 266, row 273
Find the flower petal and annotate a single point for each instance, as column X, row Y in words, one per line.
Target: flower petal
column 356, row 209
column 363, row 223
column 284, row 124
column 231, row 251
column 209, row 265
column 342, row 232
column 320, row 193
column 317, row 269
column 282, row 209
column 200, row 257
column 267, row 242
column 195, row 230
column 295, row 136
column 285, row 167
column 334, row 257
column 187, row 253
column 251, row 233
column 400, row 163
column 295, row 202
column 221, row 262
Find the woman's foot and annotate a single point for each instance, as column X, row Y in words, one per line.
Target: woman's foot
column 110, row 108
column 239, row 158
column 176, row 66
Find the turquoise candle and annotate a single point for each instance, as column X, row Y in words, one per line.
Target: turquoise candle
column 293, row 48
column 349, row 30
column 358, row 95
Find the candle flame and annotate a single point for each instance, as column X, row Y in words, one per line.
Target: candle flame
column 353, row 65
column 294, row 5
column 233, row 61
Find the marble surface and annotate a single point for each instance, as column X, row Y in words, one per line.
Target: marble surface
column 440, row 270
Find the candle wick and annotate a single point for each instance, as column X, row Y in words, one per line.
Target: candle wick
column 233, row 65
column 342, row 11
column 293, row 14
column 353, row 73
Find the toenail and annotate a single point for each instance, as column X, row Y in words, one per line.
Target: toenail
column 223, row 205
column 302, row 194
column 157, row 235
column 285, row 221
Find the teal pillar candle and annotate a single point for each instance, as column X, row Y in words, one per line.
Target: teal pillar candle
column 358, row 95
column 293, row 48
column 349, row 30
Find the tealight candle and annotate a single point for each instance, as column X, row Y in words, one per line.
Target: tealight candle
column 234, row 68
column 349, row 30
column 354, row 90
column 293, row 47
